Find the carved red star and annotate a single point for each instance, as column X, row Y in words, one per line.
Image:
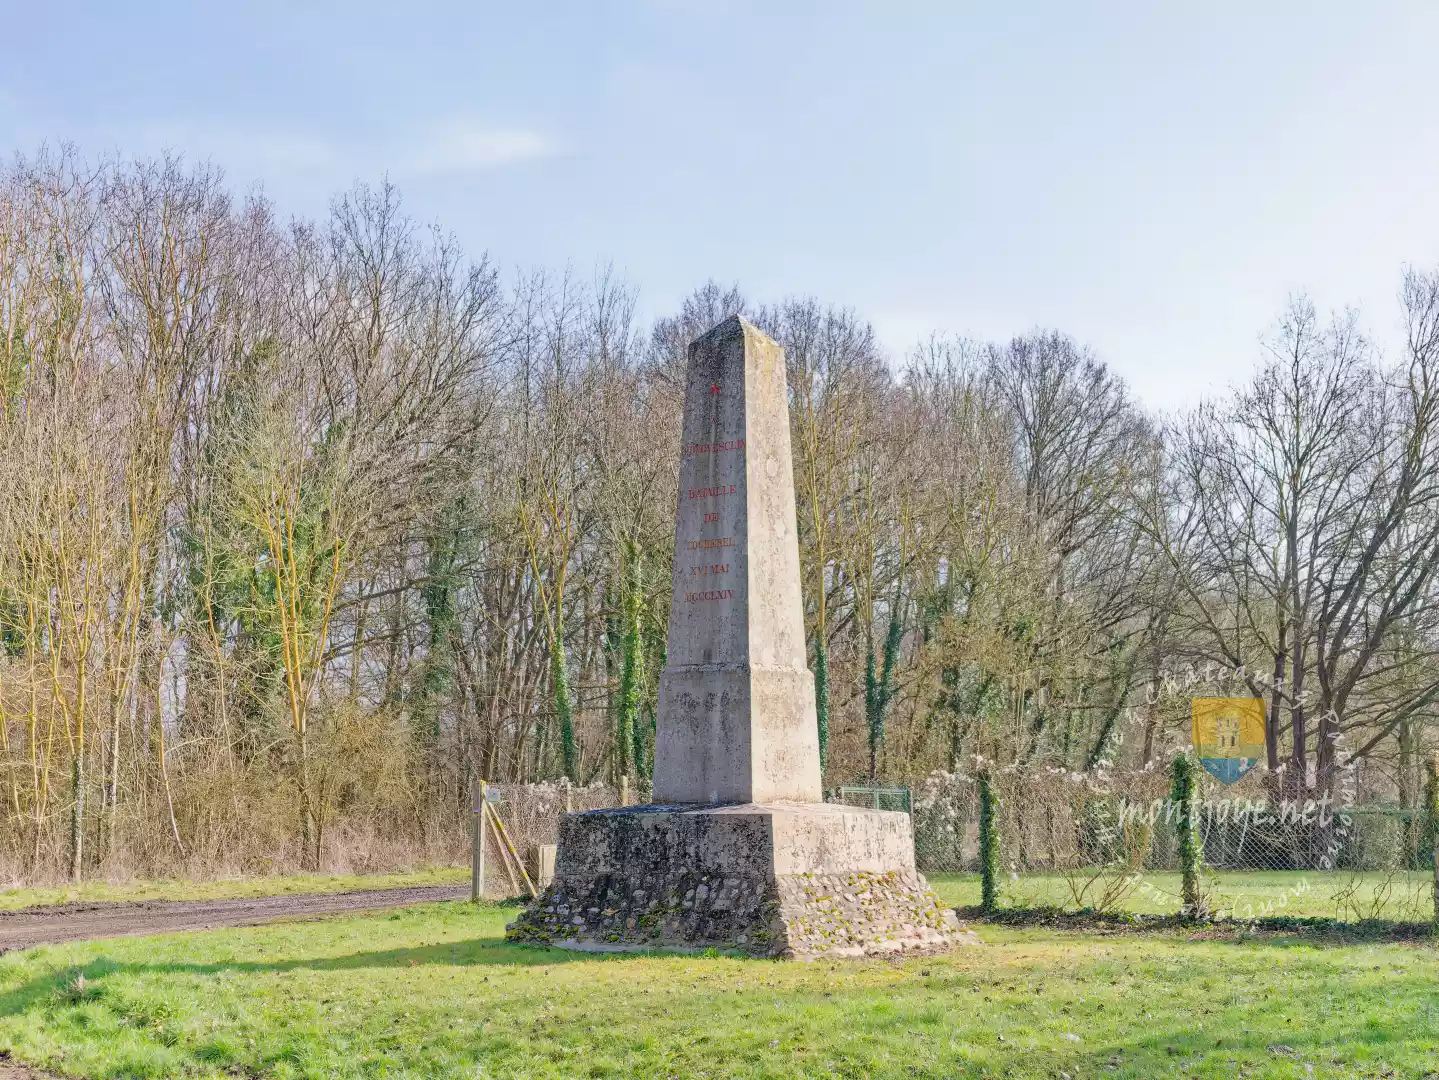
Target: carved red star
column 714, row 389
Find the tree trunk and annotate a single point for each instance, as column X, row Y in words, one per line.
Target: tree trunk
column 77, row 809
column 821, row 698
column 308, row 852
column 1413, row 832
column 564, row 706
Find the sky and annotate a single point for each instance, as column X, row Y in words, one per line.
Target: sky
column 1156, row 180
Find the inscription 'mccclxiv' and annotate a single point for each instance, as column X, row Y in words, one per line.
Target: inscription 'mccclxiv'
column 710, row 594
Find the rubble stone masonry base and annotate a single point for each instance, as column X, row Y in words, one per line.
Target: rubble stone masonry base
column 798, row 880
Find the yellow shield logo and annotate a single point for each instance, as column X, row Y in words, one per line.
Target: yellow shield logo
column 1228, row 735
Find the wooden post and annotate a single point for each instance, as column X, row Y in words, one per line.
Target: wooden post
column 514, row 852
column 625, row 789
column 477, row 841
column 487, row 813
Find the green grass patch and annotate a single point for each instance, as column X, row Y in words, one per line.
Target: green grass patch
column 228, row 888
column 435, row 992
column 1351, row 897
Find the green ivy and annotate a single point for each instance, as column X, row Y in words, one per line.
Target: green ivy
column 1191, row 852
column 988, row 842
column 629, row 740
column 821, row 698
column 1431, row 822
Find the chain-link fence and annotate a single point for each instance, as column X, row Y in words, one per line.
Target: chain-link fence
column 1111, row 843
column 531, row 815
column 874, row 798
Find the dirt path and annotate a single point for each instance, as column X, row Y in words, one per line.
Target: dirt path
column 127, row 918
column 18, row 1072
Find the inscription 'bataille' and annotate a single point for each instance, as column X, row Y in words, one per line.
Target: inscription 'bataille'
column 712, row 492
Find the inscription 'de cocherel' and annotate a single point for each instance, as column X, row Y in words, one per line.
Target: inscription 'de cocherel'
column 696, row 449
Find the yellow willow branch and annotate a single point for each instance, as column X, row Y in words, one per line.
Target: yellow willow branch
column 293, row 602
column 288, row 647
column 5, row 750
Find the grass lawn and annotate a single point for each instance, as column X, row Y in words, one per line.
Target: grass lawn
column 433, row 992
column 1404, row 896
column 229, row 888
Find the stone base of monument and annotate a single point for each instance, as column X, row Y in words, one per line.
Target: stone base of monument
column 801, row 880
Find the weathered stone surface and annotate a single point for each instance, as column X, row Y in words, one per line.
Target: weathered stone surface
column 749, row 858
column 736, row 719
column 798, row 881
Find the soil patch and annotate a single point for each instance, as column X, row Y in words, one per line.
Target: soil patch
column 10, row 1071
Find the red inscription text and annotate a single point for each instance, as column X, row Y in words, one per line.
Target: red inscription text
column 700, row 448
column 717, row 492
column 711, row 594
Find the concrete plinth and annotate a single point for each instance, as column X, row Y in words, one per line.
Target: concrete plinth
column 800, row 880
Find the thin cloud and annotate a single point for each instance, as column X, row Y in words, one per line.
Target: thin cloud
column 461, row 147
column 455, row 148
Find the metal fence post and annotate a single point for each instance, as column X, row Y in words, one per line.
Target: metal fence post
column 1431, row 823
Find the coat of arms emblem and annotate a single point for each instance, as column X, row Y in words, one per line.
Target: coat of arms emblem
column 1228, row 735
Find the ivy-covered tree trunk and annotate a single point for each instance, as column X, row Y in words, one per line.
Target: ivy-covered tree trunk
column 873, row 718
column 821, row 698
column 644, row 735
column 629, row 741
column 437, row 669
column 1431, row 823
column 878, row 689
column 1191, row 852
column 988, row 842
column 653, row 643
column 564, row 705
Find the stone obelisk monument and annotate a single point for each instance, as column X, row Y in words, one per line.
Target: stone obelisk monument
column 738, row 851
